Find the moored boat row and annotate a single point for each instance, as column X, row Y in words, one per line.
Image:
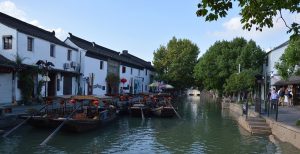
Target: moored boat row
column 83, row 113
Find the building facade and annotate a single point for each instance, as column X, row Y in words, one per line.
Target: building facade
column 75, row 66
column 32, row 44
column 100, row 63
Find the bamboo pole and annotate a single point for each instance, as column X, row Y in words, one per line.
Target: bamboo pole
column 175, row 111
column 143, row 117
column 58, row 128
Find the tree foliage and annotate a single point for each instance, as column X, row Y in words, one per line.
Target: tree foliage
column 290, row 60
column 238, row 82
column 175, row 62
column 217, row 69
column 113, row 82
column 255, row 13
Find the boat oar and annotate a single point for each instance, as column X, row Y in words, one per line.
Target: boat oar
column 58, row 128
column 23, row 122
column 143, row 117
column 175, row 111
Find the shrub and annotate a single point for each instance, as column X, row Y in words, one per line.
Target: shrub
column 298, row 123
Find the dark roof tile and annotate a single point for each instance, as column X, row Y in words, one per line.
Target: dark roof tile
column 94, row 48
column 139, row 60
column 29, row 29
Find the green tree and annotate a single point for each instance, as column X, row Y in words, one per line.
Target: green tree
column 113, row 82
column 175, row 62
column 240, row 82
column 290, row 60
column 255, row 13
column 217, row 69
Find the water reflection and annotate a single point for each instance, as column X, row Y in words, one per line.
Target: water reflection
column 204, row 128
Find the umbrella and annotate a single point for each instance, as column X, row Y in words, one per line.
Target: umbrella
column 167, row 86
column 154, row 84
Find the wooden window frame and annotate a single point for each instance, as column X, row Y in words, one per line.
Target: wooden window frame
column 30, row 44
column 7, row 42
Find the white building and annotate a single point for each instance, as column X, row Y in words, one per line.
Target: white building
column 138, row 79
column 273, row 56
column 97, row 62
column 33, row 44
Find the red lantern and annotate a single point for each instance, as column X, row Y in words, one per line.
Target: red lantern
column 123, row 80
column 96, row 102
column 72, row 101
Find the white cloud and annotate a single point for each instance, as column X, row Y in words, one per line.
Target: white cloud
column 11, row 9
column 60, row 33
column 233, row 28
column 233, row 24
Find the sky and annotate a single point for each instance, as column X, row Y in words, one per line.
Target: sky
column 140, row 26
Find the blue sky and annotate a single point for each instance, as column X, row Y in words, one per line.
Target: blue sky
column 139, row 26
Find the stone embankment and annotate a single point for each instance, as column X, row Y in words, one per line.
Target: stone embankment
column 265, row 125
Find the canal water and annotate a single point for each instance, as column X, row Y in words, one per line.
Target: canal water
column 204, row 128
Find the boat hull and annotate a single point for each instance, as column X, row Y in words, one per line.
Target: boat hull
column 136, row 111
column 43, row 122
column 79, row 126
column 164, row 112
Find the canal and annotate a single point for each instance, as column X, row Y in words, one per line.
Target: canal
column 204, row 128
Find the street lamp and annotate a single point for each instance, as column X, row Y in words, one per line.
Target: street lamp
column 45, row 66
column 267, row 76
column 258, row 104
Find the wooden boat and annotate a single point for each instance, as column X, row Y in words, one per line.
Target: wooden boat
column 52, row 110
column 162, row 106
column 163, row 111
column 94, row 112
column 139, row 110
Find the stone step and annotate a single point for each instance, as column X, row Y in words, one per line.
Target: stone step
column 252, row 119
column 266, row 127
column 256, row 123
column 259, row 131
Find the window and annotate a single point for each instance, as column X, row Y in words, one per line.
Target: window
column 146, row 72
column 267, row 60
column 7, row 42
column 52, row 50
column 69, row 55
column 29, row 44
column 101, row 65
column 123, row 69
column 139, row 72
column 131, row 71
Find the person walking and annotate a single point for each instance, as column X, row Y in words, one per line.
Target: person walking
column 286, row 98
column 281, row 96
column 290, row 97
column 274, row 98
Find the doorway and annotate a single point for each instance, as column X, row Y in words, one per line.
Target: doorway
column 52, row 84
column 67, row 90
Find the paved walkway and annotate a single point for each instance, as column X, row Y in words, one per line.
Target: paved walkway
column 287, row 115
column 22, row 109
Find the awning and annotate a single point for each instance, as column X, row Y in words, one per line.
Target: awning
column 290, row 81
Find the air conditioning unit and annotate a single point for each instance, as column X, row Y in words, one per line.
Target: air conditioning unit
column 77, row 68
column 66, row 65
column 74, row 64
